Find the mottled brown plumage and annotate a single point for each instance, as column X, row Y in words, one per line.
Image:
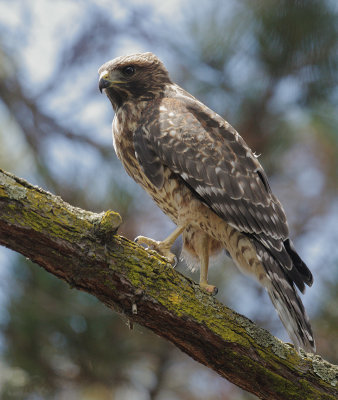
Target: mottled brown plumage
column 202, row 174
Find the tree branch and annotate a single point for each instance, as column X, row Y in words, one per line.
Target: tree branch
column 83, row 249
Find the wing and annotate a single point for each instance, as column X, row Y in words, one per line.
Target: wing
column 215, row 162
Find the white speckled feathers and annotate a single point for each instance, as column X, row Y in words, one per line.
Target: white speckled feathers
column 203, row 175
column 210, row 156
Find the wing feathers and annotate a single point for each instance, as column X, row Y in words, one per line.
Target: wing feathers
column 286, row 300
column 214, row 161
column 149, row 160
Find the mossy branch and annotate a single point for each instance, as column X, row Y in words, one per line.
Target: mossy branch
column 83, row 249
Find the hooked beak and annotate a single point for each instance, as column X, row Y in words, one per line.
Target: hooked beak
column 104, row 84
column 106, row 81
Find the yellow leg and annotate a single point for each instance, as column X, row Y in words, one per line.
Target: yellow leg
column 163, row 247
column 204, row 260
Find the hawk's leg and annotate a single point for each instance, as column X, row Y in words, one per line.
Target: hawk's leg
column 163, row 247
column 204, row 260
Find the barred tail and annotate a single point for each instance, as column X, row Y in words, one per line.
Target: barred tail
column 282, row 291
column 291, row 312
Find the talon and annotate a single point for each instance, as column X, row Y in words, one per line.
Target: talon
column 161, row 247
column 148, row 243
column 172, row 259
column 213, row 290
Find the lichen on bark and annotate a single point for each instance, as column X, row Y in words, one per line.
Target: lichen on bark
column 84, row 249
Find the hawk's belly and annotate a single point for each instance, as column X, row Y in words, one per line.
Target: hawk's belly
column 178, row 202
column 173, row 198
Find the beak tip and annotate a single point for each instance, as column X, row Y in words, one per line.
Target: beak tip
column 103, row 84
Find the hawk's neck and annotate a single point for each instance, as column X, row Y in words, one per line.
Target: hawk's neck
column 129, row 115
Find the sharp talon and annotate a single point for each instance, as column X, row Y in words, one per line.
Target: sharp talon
column 161, row 247
column 212, row 290
column 209, row 289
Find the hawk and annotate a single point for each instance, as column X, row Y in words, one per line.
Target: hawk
column 204, row 176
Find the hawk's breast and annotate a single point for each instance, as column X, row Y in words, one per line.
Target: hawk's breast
column 173, row 196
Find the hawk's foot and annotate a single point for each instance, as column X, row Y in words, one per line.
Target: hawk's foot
column 161, row 247
column 209, row 288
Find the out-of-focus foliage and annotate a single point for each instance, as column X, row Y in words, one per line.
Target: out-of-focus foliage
column 269, row 67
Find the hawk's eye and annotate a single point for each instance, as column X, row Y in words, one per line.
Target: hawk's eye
column 128, row 71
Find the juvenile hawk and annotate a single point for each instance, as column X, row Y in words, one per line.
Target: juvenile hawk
column 203, row 175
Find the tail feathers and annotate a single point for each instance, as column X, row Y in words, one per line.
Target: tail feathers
column 293, row 316
column 302, row 270
column 283, row 294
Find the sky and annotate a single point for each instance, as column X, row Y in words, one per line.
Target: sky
column 40, row 50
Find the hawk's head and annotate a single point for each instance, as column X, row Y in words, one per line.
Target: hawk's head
column 135, row 77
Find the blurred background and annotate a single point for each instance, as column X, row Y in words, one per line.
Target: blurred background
column 268, row 67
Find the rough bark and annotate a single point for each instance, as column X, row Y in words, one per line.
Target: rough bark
column 83, row 249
